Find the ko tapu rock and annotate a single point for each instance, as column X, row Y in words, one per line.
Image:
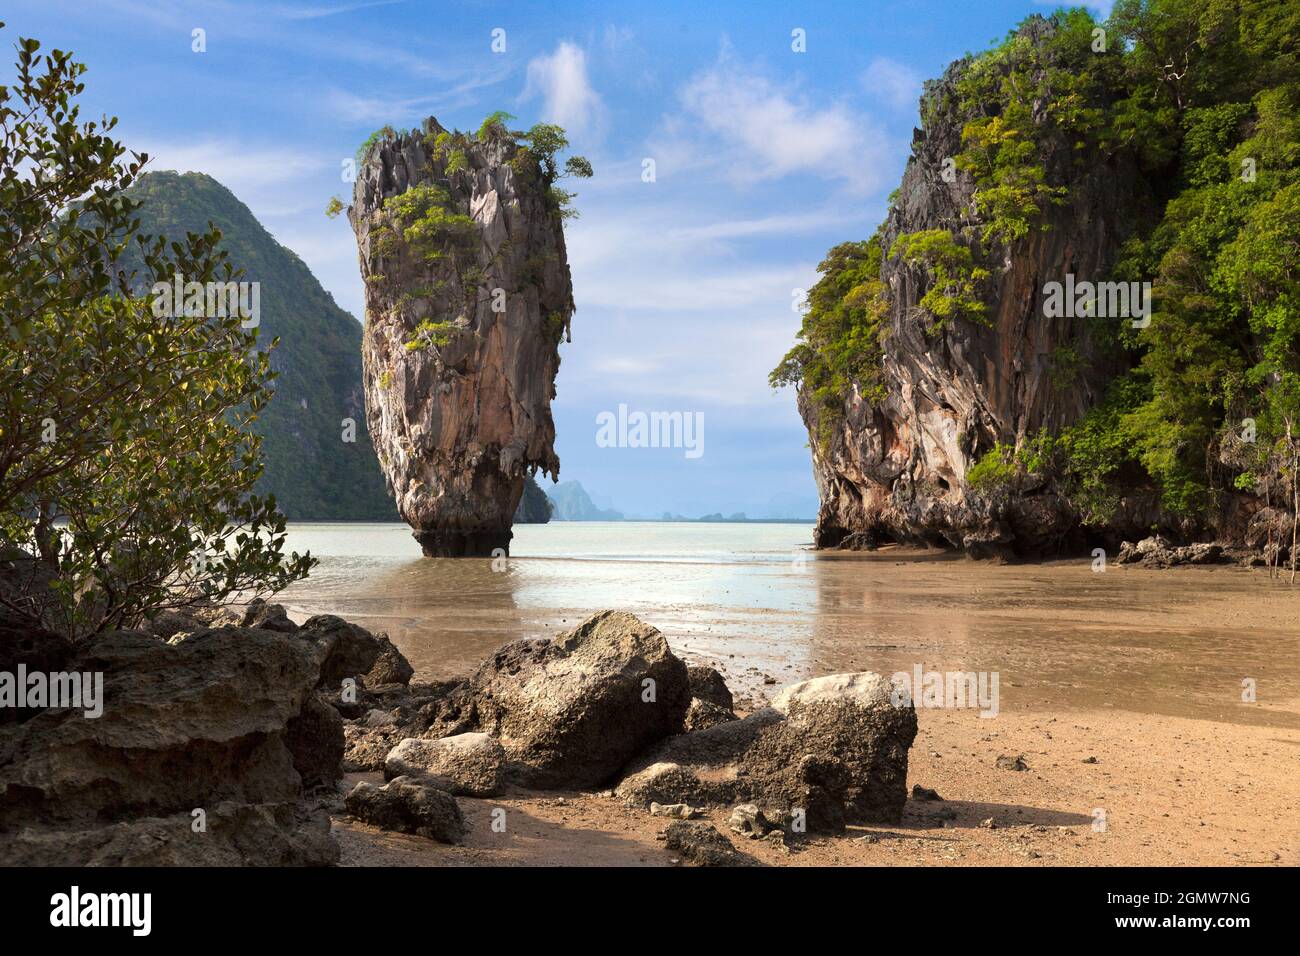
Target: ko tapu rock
column 468, row 295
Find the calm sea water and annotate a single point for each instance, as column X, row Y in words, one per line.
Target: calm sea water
column 756, row 601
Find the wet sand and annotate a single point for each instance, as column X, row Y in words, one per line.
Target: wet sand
column 1141, row 669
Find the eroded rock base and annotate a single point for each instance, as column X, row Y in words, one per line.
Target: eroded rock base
column 464, row 544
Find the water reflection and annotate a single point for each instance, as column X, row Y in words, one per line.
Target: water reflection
column 751, row 599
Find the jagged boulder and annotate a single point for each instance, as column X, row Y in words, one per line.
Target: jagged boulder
column 224, row 718
column 234, row 834
column 702, row 715
column 349, row 650
column 572, row 711
column 315, row 738
column 668, row 783
column 1157, row 552
column 702, row 844
column 474, row 764
column 831, row 750
column 468, row 295
column 711, row 701
column 382, row 718
column 709, row 685
column 408, row 805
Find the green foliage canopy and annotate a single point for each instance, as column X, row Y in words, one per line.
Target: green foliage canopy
column 127, row 456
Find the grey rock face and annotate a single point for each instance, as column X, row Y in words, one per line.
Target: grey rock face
column 225, row 721
column 702, row 715
column 408, row 805
column 36, row 649
column 238, row 834
column 473, row 763
column 349, row 650
column 709, row 685
column 1156, row 552
column 703, row 845
column 573, row 710
column 897, row 470
column 836, row 751
column 461, row 412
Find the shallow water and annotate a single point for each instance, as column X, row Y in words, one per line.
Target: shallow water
column 754, row 599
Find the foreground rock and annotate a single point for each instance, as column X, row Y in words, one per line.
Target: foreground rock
column 220, row 728
column 463, row 325
column 1157, row 552
column 832, row 751
column 572, row 711
column 474, row 764
column 382, row 717
column 350, row 651
column 711, row 701
column 567, row 712
column 237, row 834
column 703, row 845
column 408, row 805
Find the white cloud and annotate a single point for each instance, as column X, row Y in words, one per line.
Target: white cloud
column 1100, row 7
column 354, row 108
column 568, row 97
column 766, row 132
column 893, row 82
column 316, row 13
column 245, row 170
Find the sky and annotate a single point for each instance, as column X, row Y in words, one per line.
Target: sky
column 687, row 287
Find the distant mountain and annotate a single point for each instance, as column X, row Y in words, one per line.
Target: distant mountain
column 312, row 471
column 534, row 506
column 572, row 503
column 789, row 505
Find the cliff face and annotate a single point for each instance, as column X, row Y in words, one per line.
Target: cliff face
column 313, row 472
column 534, row 506
column 896, row 468
column 467, row 297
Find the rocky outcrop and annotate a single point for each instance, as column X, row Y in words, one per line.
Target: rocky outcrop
column 534, row 506
column 896, row 468
column 567, row 712
column 408, row 805
column 573, row 710
column 703, row 845
column 471, row 764
column 467, row 297
column 201, row 756
column 350, row 651
column 1156, row 552
column 834, row 751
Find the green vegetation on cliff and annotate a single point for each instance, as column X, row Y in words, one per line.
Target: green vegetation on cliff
column 317, row 465
column 1202, row 98
column 843, row 332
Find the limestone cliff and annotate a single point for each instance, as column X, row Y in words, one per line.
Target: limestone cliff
column 468, row 295
column 894, row 465
column 1071, row 330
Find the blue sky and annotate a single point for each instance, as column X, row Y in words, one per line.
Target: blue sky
column 764, row 159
